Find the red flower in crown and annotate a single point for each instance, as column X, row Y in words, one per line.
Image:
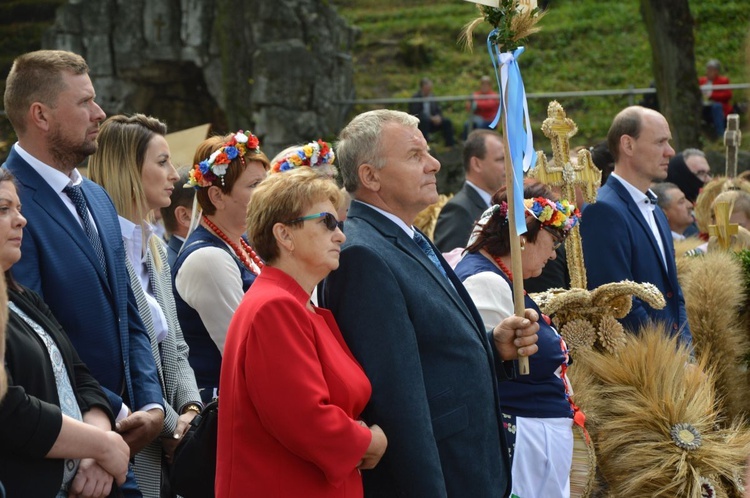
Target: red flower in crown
column 252, row 142
column 222, row 159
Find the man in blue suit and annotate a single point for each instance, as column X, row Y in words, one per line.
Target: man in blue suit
column 72, row 252
column 414, row 329
column 625, row 235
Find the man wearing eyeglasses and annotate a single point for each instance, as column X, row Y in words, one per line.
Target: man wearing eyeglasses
column 625, row 236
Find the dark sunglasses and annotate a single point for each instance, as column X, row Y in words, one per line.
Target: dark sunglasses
column 329, row 220
column 557, row 236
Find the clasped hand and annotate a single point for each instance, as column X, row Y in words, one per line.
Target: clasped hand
column 139, row 428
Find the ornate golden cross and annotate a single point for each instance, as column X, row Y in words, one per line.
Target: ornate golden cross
column 732, row 140
column 567, row 176
column 723, row 230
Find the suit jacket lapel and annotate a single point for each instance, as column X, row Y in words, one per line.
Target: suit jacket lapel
column 98, row 205
column 50, row 201
column 620, row 189
column 402, row 241
column 474, row 196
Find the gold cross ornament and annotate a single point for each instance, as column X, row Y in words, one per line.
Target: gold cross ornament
column 723, row 230
column 567, row 176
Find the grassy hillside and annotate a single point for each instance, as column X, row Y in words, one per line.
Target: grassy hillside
column 583, row 45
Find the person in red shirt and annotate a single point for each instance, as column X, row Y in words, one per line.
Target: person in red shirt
column 716, row 102
column 291, row 391
column 482, row 109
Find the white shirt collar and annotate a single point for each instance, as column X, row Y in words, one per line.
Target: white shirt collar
column 54, row 177
column 398, row 221
column 677, row 236
column 133, row 236
column 486, row 197
column 641, row 199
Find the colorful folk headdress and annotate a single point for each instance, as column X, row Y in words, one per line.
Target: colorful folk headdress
column 214, row 167
column 561, row 214
column 316, row 154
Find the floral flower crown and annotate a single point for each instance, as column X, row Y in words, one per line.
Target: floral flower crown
column 313, row 155
column 561, row 214
column 214, row 167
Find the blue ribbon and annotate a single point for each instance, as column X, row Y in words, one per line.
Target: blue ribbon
column 518, row 126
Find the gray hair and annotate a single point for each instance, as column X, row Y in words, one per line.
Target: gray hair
column 692, row 152
column 359, row 143
column 660, row 189
column 714, row 63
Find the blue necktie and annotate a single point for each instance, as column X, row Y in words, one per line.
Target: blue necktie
column 79, row 201
column 427, row 249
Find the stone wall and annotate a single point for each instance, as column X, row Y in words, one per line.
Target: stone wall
column 274, row 67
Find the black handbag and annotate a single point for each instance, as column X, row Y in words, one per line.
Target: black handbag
column 193, row 471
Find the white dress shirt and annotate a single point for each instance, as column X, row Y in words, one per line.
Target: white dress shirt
column 132, row 237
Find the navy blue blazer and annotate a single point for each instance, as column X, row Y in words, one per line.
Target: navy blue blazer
column 618, row 244
column 98, row 312
column 424, row 348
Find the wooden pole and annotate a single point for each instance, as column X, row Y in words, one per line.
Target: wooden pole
column 732, row 140
column 519, row 305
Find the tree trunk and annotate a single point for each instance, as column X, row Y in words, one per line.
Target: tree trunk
column 670, row 31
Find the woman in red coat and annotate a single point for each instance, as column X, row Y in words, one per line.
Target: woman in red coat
column 291, row 391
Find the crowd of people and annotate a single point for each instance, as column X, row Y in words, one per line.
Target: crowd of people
column 351, row 356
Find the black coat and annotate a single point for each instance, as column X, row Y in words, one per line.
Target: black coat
column 457, row 218
column 30, row 417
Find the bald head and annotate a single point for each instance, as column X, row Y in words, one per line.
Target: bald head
column 639, row 142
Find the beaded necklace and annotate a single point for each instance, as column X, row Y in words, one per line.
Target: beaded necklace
column 504, row 268
column 242, row 252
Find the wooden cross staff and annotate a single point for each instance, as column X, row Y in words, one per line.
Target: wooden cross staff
column 732, row 140
column 514, row 21
column 567, row 176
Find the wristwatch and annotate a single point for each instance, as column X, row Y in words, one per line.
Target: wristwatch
column 191, row 407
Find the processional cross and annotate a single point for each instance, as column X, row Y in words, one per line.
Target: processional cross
column 567, row 176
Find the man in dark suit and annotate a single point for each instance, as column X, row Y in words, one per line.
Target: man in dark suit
column 625, row 236
column 412, row 326
column 430, row 115
column 484, row 165
column 72, row 252
column 177, row 215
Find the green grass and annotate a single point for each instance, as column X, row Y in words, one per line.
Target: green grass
column 583, row 45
